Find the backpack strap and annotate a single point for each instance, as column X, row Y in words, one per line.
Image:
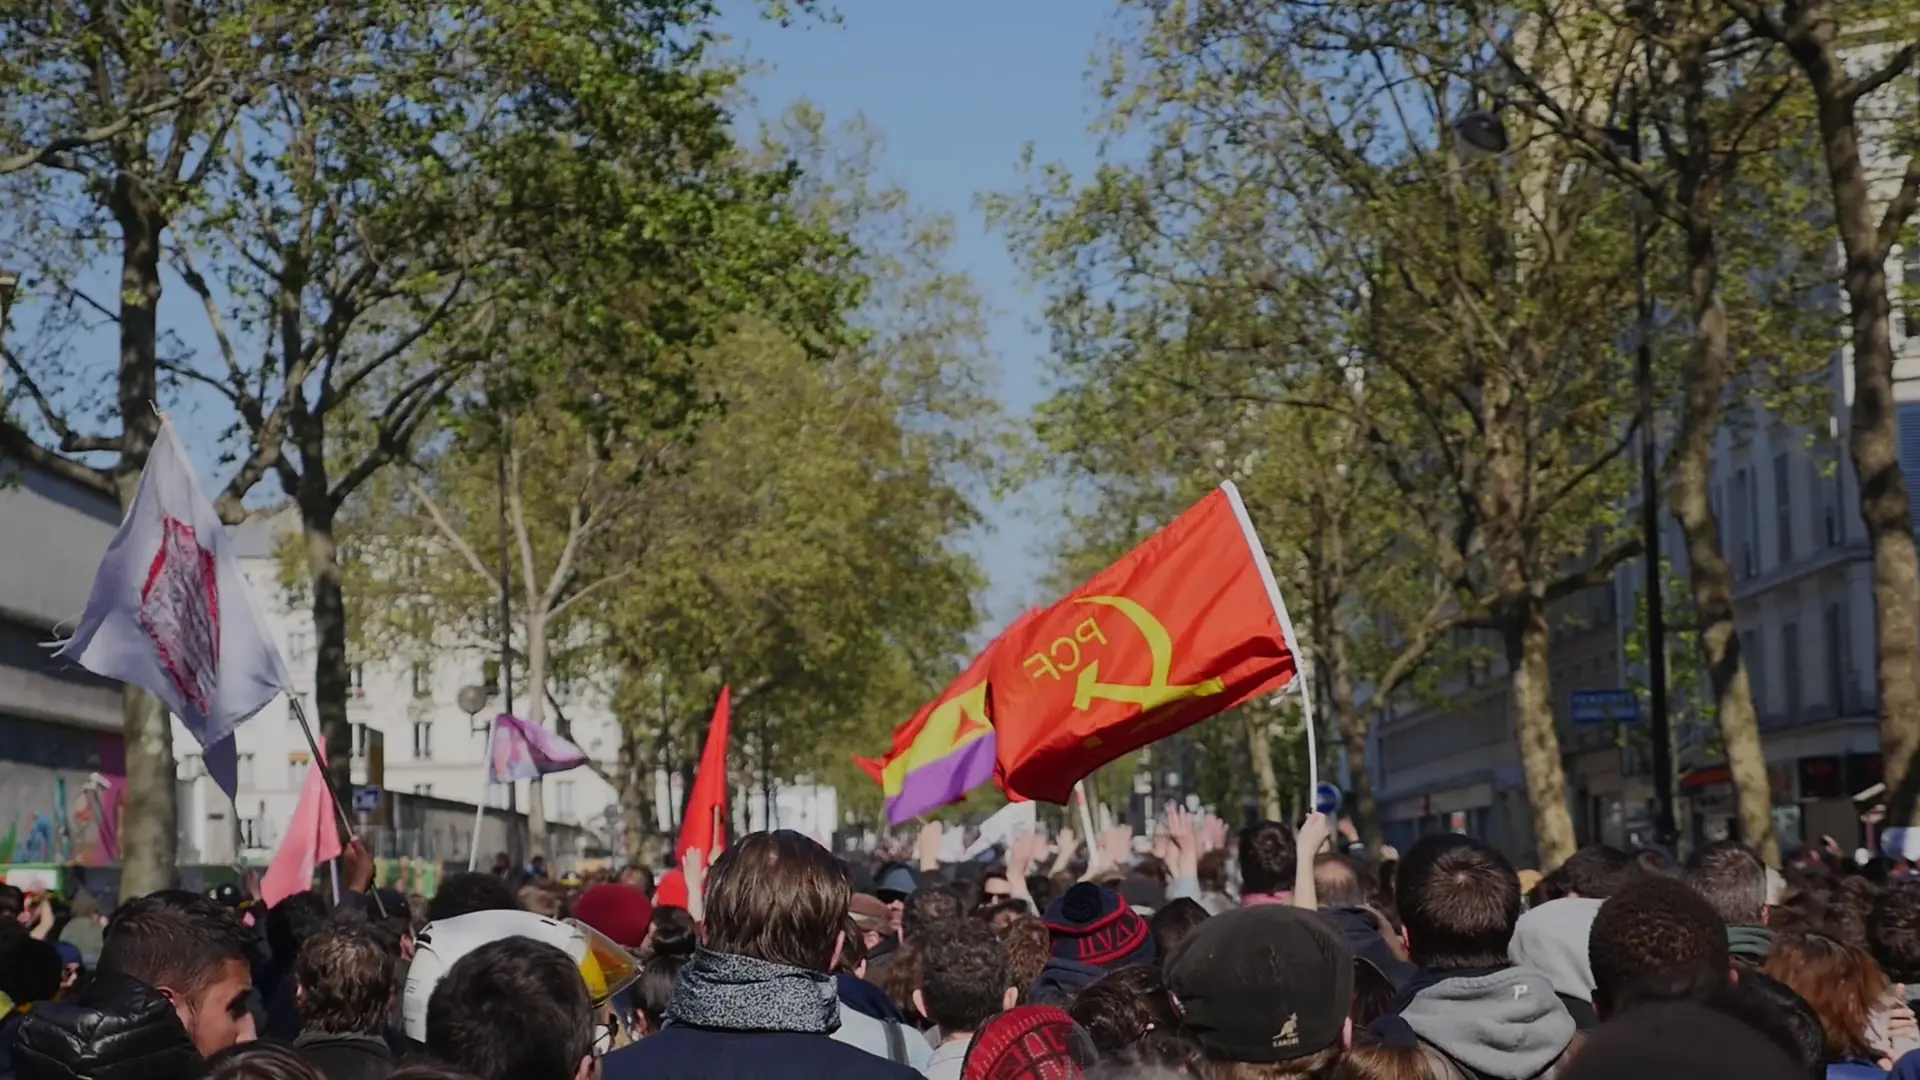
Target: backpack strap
column 896, row 1042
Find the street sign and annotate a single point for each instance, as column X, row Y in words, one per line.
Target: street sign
column 1600, row 706
column 366, row 799
column 1326, row 798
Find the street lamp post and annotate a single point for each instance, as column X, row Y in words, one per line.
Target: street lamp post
column 1483, row 131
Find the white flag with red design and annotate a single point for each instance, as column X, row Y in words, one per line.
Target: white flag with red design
column 170, row 612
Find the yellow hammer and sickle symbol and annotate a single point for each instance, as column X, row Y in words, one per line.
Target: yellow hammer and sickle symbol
column 1160, row 644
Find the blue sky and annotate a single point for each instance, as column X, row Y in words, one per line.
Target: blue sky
column 957, row 89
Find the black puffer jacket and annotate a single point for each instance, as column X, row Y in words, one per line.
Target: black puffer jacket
column 121, row 1029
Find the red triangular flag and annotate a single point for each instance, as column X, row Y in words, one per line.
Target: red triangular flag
column 313, row 837
column 707, row 804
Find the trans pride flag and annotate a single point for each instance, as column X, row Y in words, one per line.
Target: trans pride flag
column 947, row 748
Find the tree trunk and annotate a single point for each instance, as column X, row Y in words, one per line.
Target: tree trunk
column 537, row 716
column 633, row 776
column 332, row 683
column 1710, row 575
column 1528, row 639
column 1260, row 751
column 1873, row 440
column 1354, row 724
column 151, row 811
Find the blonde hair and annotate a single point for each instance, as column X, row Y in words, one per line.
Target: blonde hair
column 1315, row 1066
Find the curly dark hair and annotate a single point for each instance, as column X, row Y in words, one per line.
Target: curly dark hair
column 1893, row 932
column 1599, row 872
column 1028, row 943
column 1121, row 1007
column 1658, row 940
column 1269, row 855
column 963, row 975
column 345, row 977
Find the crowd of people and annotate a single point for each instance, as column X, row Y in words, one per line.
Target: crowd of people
column 1278, row 955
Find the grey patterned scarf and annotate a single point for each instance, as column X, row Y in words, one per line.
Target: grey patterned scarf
column 739, row 993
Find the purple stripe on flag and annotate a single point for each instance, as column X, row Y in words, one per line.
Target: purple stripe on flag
column 944, row 781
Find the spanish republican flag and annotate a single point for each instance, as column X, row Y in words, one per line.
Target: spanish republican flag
column 946, row 749
column 1186, row 626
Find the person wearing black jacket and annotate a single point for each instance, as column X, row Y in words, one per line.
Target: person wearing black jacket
column 344, row 983
column 170, row 990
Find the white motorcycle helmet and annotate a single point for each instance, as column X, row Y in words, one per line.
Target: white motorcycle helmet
column 606, row 968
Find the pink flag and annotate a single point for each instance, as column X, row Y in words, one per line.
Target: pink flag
column 313, row 837
column 523, row 751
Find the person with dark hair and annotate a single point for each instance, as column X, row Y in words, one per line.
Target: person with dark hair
column 170, row 990
column 467, row 892
column 1733, row 881
column 1211, row 876
column 429, row 1070
column 1174, row 922
column 932, row 906
column 1373, row 993
column 289, row 924
column 514, row 1009
column 1893, row 934
column 1028, row 947
column 344, row 984
column 758, row 999
column 30, row 972
column 1120, row 1008
column 1265, row 991
column 1769, row 1006
column 1598, row 871
column 1680, row 1040
column 1091, row 931
column 659, row 973
column 261, row 1061
column 1269, row 858
column 1469, row 1004
column 1657, row 940
column 963, row 981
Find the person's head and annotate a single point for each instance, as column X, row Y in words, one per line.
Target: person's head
column 1373, row 993
column 1766, row 1004
column 1120, row 1007
column 467, row 892
column 638, row 877
column 1266, row 986
column 1030, row 1041
column 1213, row 871
column 852, row 957
column 658, row 975
column 1597, row 871
column 1268, row 858
column 778, row 897
column 196, row 953
column 1092, row 925
column 427, row 1069
column 1340, row 882
column 292, row 921
column 1385, row 1063
column 963, row 977
column 344, row 980
column 935, row 905
column 621, row 912
column 1171, row 924
column 260, row 1061
column 12, row 903
column 1893, row 932
column 513, row 1009
column 994, row 886
column 1027, row 944
column 1657, row 940
column 539, row 897
column 1458, row 900
column 1679, row 1040
column 671, row 931
column 1733, row 881
column 30, row 969
column 1840, row 982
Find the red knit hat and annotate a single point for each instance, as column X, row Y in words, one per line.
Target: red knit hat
column 671, row 891
column 1033, row 1042
column 1091, row 924
column 621, row 912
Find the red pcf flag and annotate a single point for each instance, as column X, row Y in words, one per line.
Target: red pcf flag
column 1186, row 626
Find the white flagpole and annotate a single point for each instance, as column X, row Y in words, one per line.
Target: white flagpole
column 1086, row 815
column 1301, row 676
column 486, row 795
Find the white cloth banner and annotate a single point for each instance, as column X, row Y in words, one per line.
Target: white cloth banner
column 170, row 612
column 1006, row 823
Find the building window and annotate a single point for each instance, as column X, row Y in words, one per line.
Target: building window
column 423, row 740
column 1838, row 662
column 1750, row 554
column 357, row 676
column 422, row 679
column 1790, row 668
column 297, row 771
column 299, row 644
column 1782, row 509
column 243, row 771
column 250, row 832
column 1823, row 479
column 423, row 789
column 563, row 800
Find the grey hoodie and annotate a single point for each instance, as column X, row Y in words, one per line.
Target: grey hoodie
column 1506, row 1024
column 1552, row 939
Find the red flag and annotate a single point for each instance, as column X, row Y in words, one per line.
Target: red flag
column 707, row 804
column 1186, row 626
column 313, row 837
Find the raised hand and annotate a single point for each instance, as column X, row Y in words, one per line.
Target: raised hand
column 929, row 846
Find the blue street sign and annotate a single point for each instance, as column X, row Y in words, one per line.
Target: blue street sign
column 1600, row 706
column 1326, row 798
column 366, row 800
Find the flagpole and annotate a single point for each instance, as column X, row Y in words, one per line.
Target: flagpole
column 1300, row 678
column 1086, row 815
column 486, row 794
column 340, row 810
